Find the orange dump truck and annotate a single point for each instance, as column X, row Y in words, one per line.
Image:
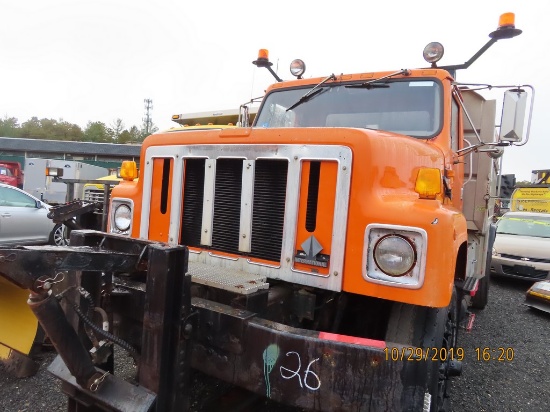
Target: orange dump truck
column 324, row 257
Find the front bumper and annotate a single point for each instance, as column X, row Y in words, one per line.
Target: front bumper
column 303, row 368
column 520, row 269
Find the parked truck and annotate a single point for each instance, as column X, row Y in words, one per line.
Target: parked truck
column 11, row 173
column 39, row 183
column 325, row 257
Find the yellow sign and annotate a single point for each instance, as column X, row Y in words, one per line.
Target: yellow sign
column 531, row 199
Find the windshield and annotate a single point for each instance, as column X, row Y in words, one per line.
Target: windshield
column 410, row 107
column 538, row 226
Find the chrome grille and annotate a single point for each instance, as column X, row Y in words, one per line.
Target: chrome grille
column 93, row 195
column 268, row 211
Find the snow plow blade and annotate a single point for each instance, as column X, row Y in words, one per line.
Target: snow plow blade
column 18, row 330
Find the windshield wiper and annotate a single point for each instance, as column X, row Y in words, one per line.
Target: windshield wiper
column 312, row 92
column 372, row 84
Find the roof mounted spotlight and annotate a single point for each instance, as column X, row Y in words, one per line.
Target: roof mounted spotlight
column 263, row 61
column 297, row 68
column 506, row 30
column 433, row 52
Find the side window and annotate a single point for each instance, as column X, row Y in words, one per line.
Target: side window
column 14, row 198
column 454, row 126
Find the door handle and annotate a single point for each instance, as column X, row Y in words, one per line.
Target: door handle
column 5, row 214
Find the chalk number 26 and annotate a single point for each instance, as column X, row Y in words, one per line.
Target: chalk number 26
column 311, row 379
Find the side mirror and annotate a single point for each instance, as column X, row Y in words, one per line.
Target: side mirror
column 513, row 115
column 38, row 204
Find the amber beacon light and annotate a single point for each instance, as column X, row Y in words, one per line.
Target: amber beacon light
column 506, row 27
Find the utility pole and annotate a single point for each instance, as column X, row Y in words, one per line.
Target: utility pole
column 147, row 122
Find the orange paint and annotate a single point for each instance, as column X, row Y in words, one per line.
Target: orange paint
column 161, row 198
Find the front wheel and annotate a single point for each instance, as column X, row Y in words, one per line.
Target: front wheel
column 426, row 383
column 58, row 236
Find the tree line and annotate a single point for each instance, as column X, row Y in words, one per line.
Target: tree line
column 51, row 129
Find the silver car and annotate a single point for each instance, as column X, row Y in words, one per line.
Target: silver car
column 522, row 246
column 24, row 220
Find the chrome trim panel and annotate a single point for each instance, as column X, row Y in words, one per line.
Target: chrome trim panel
column 295, row 155
column 247, row 196
column 208, row 201
column 222, row 257
column 251, row 262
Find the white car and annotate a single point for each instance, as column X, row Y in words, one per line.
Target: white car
column 522, row 246
column 24, row 220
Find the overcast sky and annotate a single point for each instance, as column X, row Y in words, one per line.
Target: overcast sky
column 98, row 60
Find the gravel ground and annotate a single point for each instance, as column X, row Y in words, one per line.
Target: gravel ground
column 519, row 385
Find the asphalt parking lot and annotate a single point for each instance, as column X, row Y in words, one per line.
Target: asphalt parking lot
column 520, row 384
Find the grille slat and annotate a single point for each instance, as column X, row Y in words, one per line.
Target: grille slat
column 227, row 205
column 93, row 195
column 269, row 209
column 192, row 202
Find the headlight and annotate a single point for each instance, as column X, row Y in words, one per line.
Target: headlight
column 122, row 218
column 394, row 255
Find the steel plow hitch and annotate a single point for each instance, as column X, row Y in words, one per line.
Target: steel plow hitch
column 31, row 267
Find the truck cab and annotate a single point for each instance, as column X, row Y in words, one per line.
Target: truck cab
column 11, row 173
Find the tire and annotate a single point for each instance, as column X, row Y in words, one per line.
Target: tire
column 58, row 236
column 481, row 298
column 417, row 326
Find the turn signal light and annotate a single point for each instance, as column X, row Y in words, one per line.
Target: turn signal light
column 428, row 183
column 128, row 170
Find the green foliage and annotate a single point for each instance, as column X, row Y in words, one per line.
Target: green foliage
column 97, row 132
column 9, row 127
column 51, row 129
